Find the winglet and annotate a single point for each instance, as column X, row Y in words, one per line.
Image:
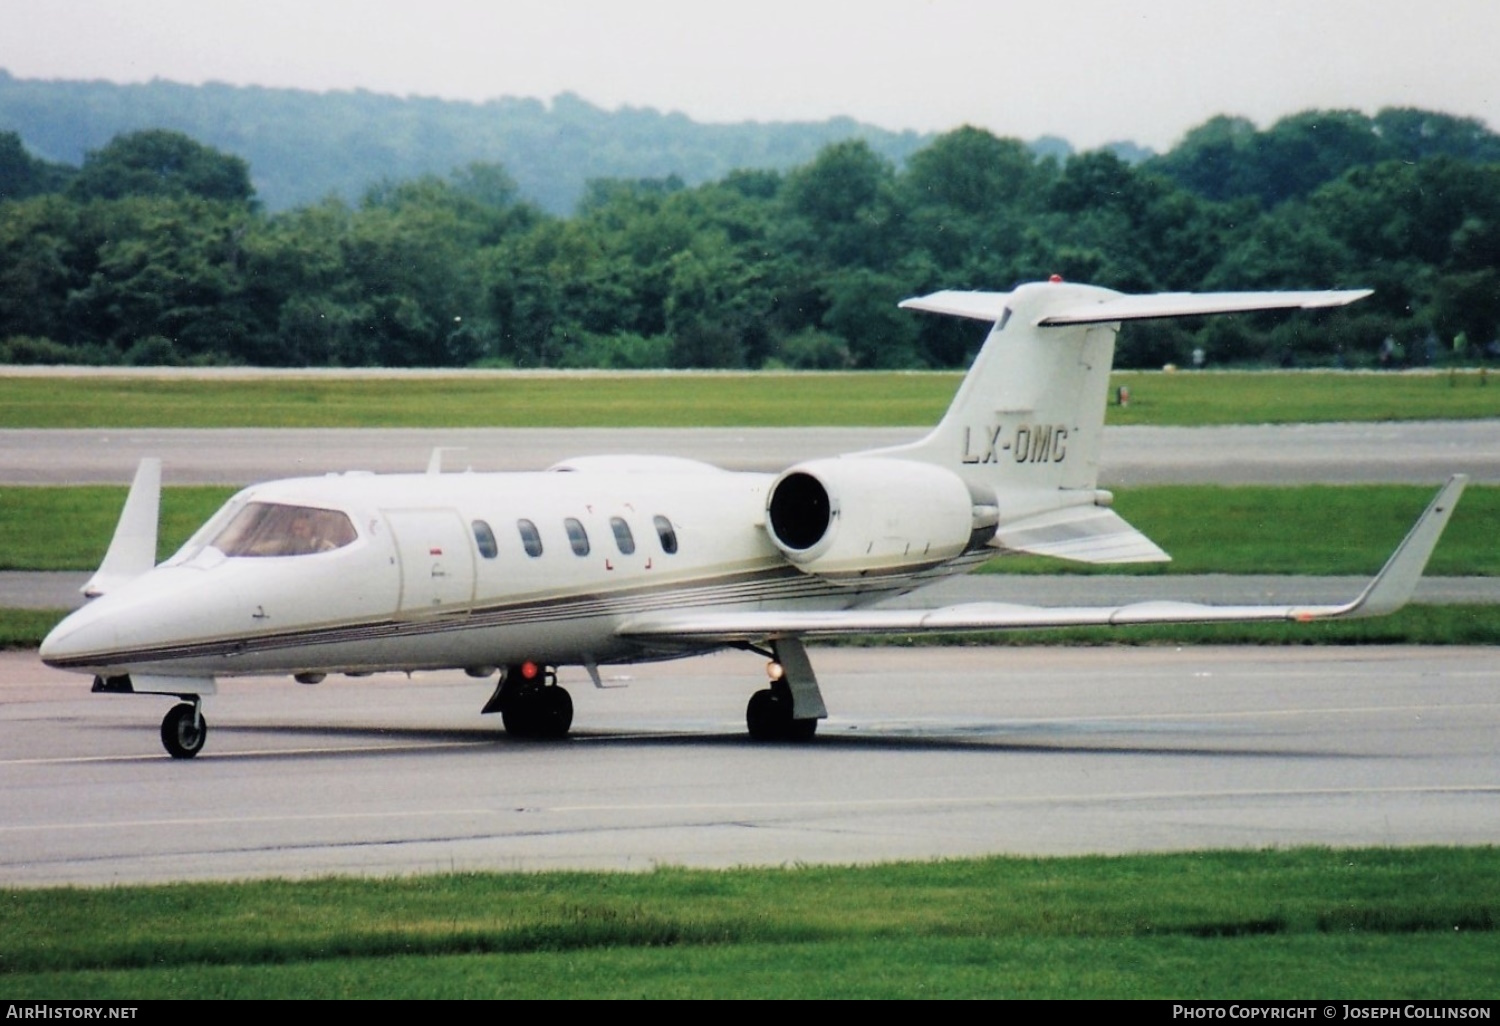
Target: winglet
column 132, row 551
column 1392, row 588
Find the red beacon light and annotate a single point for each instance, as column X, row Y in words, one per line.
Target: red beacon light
column 1055, row 279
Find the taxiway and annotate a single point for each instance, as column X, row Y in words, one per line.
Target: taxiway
column 930, row 752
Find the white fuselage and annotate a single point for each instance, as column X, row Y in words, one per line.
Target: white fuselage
column 439, row 574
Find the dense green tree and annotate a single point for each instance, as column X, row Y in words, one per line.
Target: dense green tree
column 845, row 202
column 38, row 266
column 22, row 175
column 162, row 163
column 131, row 264
column 167, row 267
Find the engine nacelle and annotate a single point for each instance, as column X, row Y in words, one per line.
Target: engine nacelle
column 853, row 517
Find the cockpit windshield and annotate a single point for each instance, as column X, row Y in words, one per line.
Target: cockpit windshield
column 271, row 529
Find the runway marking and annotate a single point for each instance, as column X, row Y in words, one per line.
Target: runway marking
column 254, row 753
column 1073, row 799
column 722, row 807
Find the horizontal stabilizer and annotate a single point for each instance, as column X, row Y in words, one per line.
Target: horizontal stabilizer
column 1390, row 590
column 1105, row 307
column 132, row 550
column 1191, row 304
column 979, row 306
column 1087, row 534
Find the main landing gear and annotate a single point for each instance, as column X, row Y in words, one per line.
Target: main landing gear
column 531, row 704
column 183, row 730
column 789, row 709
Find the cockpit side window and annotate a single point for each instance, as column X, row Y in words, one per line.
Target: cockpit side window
column 273, row 529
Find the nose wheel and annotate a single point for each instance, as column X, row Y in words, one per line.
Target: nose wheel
column 183, row 730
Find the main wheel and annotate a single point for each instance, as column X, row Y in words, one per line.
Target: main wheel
column 517, row 718
column 542, row 712
column 554, row 709
column 766, row 715
column 183, row 731
column 800, row 730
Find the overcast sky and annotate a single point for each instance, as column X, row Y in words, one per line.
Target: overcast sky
column 1089, row 70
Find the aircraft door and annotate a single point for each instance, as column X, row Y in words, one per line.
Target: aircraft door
column 437, row 560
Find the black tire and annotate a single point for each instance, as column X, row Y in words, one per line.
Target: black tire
column 554, row 712
column 183, row 731
column 539, row 713
column 766, row 715
column 800, row 730
column 518, row 718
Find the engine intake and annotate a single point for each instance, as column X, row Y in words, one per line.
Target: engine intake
column 843, row 518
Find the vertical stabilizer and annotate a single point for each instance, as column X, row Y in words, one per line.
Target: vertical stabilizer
column 1025, row 429
column 1027, row 422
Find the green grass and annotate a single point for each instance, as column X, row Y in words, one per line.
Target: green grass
column 1305, row 529
column 870, row 399
column 1412, row 923
column 25, row 628
column 1314, row 529
column 1311, row 397
column 69, row 527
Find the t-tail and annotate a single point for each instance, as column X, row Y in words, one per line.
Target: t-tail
column 1025, row 429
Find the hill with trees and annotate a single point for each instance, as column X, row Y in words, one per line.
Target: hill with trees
column 304, row 146
column 157, row 248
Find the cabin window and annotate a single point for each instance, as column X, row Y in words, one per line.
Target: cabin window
column 577, row 537
column 623, row 538
column 666, row 533
column 485, row 539
column 530, row 538
column 271, row 529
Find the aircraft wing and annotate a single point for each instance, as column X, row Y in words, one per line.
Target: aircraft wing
column 1390, row 589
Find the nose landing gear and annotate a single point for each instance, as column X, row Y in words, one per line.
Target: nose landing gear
column 183, row 730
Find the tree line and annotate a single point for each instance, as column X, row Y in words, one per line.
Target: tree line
column 155, row 251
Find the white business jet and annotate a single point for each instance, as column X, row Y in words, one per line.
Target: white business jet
column 616, row 559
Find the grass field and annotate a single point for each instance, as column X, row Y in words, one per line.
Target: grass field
column 1413, row 923
column 872, row 399
column 1314, row 529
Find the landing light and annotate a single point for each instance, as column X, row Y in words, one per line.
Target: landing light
column 774, row 670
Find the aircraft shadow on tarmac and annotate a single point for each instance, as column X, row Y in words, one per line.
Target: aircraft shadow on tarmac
column 897, row 736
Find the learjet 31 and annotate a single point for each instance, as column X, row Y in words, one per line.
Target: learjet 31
column 618, row 559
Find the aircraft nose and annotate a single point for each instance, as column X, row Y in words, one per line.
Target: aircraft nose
column 83, row 633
